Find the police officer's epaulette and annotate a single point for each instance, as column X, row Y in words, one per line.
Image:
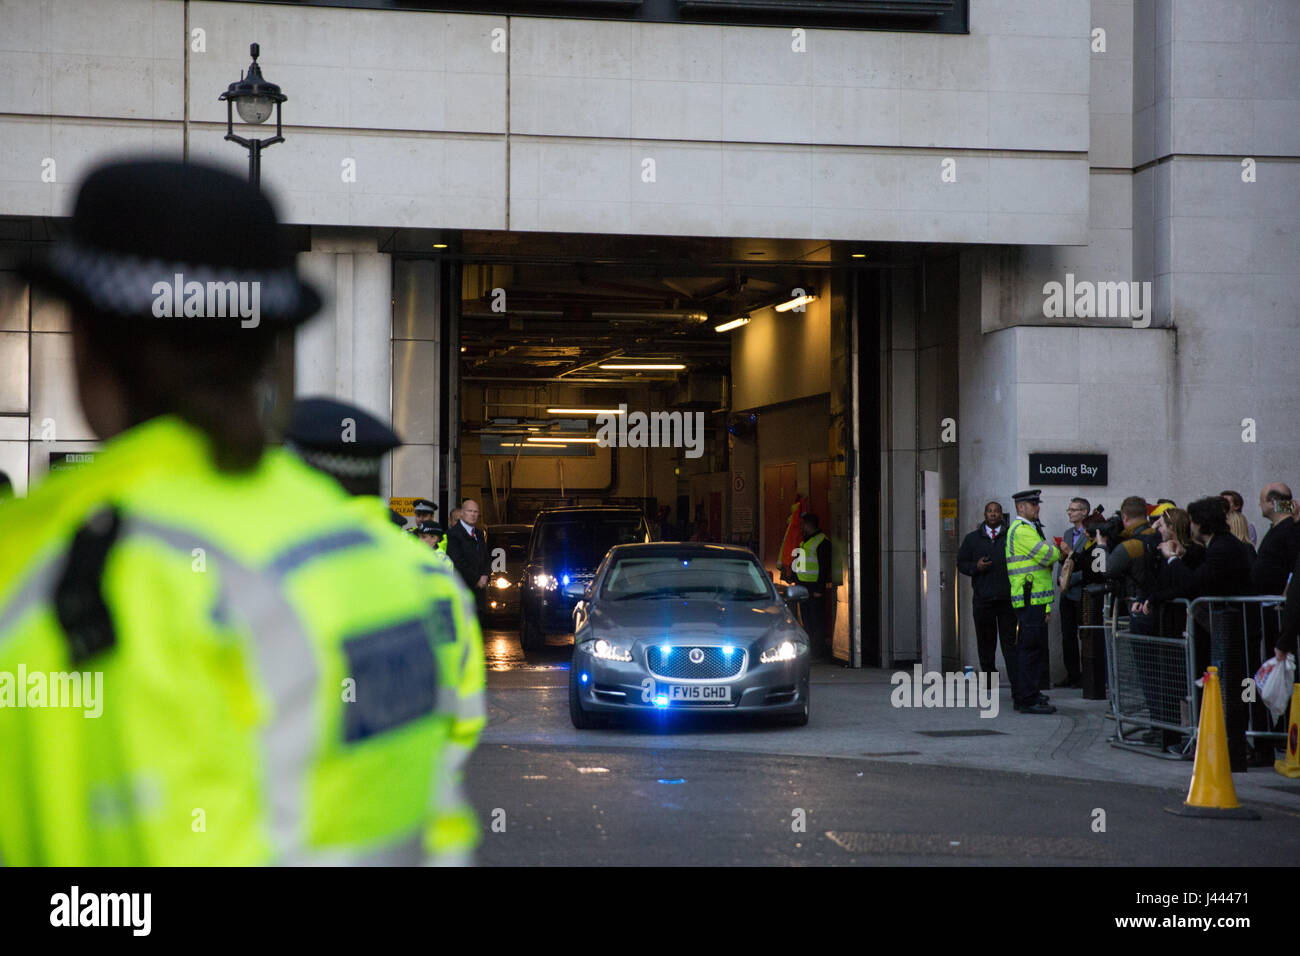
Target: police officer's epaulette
column 79, row 597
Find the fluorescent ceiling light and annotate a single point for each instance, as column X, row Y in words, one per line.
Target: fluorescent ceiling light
column 623, row 367
column 796, row 302
column 585, row 411
column 733, row 324
column 533, row 443
column 566, row 438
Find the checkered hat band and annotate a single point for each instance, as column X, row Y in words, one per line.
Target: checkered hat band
column 129, row 285
column 345, row 466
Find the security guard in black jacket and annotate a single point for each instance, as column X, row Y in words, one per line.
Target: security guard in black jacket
column 983, row 558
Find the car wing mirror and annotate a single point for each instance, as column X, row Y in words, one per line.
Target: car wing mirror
column 796, row 592
column 586, row 592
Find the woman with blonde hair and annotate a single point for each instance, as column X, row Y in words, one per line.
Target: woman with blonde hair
column 1240, row 529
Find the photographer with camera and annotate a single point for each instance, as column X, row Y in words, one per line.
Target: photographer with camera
column 1134, row 560
column 1084, row 568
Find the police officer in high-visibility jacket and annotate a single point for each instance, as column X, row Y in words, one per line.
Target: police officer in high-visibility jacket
column 424, row 510
column 812, row 569
column 348, row 443
column 454, row 832
column 431, row 534
column 1030, row 558
column 267, row 691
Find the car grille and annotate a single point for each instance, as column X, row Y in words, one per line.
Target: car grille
column 676, row 664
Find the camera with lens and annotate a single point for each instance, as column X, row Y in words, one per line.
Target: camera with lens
column 1112, row 529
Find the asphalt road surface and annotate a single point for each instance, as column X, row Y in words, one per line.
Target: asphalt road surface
column 605, row 802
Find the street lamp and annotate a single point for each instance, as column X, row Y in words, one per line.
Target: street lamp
column 254, row 98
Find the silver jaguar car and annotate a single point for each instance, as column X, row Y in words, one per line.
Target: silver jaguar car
column 686, row 627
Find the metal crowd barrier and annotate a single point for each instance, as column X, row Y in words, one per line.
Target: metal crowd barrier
column 1153, row 677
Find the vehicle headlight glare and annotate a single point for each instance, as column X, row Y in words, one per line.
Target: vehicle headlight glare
column 544, row 581
column 502, row 582
column 605, row 651
column 784, row 651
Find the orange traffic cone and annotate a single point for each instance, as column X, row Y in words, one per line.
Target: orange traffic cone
column 1290, row 767
column 1212, row 793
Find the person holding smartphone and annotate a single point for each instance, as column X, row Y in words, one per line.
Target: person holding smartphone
column 982, row 557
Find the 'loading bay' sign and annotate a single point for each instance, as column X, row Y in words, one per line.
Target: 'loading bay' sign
column 1066, row 468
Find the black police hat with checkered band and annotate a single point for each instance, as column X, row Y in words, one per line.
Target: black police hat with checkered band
column 144, row 226
column 338, row 438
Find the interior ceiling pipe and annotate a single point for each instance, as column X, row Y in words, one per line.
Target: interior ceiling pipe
column 594, row 382
column 659, row 315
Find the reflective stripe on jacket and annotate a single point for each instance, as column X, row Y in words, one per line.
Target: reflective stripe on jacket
column 273, row 693
column 1030, row 558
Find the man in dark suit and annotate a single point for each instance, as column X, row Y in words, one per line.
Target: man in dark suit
column 467, row 549
column 1225, row 572
column 983, row 558
column 1280, row 549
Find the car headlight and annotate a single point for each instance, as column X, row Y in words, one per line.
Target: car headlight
column 604, row 650
column 784, row 651
column 502, row 583
column 544, row 581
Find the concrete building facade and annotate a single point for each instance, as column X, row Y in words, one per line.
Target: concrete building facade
column 1111, row 141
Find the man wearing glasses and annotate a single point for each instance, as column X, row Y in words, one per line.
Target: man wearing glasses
column 1072, row 595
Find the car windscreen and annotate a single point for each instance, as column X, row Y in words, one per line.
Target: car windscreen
column 514, row 543
column 580, row 542
column 734, row 578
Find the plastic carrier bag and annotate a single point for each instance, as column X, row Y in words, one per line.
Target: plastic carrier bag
column 1275, row 679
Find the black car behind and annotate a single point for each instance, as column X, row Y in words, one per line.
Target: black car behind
column 507, row 569
column 566, row 547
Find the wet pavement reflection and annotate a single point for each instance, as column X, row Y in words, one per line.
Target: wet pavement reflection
column 503, row 651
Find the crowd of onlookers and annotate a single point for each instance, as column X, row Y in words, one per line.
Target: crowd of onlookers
column 1148, row 557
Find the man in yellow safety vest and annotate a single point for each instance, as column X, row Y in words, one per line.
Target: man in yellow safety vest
column 812, row 568
column 1030, row 559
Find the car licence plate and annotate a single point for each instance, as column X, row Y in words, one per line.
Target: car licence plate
column 698, row 692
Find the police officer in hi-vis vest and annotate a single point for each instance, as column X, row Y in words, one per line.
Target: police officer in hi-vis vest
column 1030, row 558
column 813, row 570
column 270, row 691
column 349, row 444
